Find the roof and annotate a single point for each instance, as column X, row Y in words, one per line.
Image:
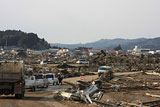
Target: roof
column 111, row 52
column 96, row 51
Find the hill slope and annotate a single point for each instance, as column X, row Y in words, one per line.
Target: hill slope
column 126, row 44
column 22, row 39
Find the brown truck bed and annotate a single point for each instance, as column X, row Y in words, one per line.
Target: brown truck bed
column 11, row 72
column 10, row 77
column 11, row 67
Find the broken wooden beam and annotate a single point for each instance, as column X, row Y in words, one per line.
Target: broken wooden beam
column 134, row 104
column 152, row 103
column 66, row 94
column 84, row 83
column 152, row 95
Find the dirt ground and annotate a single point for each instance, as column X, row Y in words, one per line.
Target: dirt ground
column 43, row 97
column 128, row 79
column 92, row 77
column 46, row 97
column 129, row 96
column 133, row 95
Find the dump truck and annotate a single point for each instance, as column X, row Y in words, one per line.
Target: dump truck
column 12, row 80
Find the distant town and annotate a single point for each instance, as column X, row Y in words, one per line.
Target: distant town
column 81, row 51
column 81, row 75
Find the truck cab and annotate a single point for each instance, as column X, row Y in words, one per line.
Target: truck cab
column 30, row 82
column 51, row 78
column 41, row 80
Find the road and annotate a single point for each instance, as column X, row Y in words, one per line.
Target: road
column 92, row 77
column 43, row 97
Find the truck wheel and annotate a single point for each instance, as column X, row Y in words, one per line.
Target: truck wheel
column 33, row 89
column 22, row 95
column 99, row 75
column 19, row 96
column 45, row 86
column 16, row 96
column 54, row 83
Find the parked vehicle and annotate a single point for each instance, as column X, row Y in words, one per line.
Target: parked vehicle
column 43, row 63
column 51, row 78
column 82, row 61
column 12, row 79
column 41, row 81
column 103, row 69
column 30, row 82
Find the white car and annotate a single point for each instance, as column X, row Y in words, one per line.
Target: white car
column 30, row 82
column 40, row 80
column 103, row 69
column 51, row 78
column 82, row 61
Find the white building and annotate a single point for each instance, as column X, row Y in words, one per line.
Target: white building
column 137, row 50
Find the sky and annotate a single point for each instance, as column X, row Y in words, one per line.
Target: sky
column 82, row 21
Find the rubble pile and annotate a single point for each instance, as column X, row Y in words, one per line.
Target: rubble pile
column 132, row 90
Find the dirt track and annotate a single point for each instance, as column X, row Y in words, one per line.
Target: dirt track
column 38, row 99
column 92, row 77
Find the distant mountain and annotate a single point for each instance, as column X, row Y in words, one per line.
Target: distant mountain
column 22, row 39
column 126, row 44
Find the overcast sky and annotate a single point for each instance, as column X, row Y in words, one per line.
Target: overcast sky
column 81, row 21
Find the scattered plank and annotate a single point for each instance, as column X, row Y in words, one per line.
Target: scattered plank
column 152, row 95
column 133, row 104
column 152, row 103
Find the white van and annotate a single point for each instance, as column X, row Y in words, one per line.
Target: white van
column 51, row 78
column 30, row 82
column 40, row 80
column 82, row 61
column 103, row 69
column 43, row 62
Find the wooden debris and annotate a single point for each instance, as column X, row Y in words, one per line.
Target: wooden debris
column 152, row 103
column 133, row 104
column 104, row 103
column 152, row 95
column 65, row 94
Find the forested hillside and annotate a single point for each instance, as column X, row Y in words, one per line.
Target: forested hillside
column 22, row 39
